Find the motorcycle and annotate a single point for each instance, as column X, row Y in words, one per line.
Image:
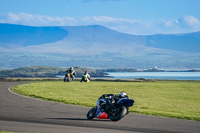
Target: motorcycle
column 67, row 78
column 106, row 109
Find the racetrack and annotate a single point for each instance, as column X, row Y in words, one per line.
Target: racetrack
column 22, row 114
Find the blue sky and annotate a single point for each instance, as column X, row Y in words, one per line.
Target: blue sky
column 138, row 17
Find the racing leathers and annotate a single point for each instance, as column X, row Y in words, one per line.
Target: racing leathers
column 111, row 100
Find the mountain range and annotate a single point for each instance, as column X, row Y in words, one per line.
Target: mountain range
column 95, row 46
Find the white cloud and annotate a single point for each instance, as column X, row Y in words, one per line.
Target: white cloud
column 189, row 21
column 181, row 25
column 35, row 20
column 108, row 19
column 130, row 26
column 170, row 23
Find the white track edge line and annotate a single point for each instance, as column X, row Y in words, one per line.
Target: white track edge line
column 9, row 89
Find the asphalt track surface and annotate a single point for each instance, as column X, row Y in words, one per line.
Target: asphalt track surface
column 22, row 114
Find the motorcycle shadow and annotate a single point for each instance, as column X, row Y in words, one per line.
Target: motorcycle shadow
column 80, row 119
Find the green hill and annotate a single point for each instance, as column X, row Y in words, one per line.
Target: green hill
column 44, row 71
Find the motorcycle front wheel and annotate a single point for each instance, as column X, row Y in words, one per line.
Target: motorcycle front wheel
column 91, row 113
column 119, row 115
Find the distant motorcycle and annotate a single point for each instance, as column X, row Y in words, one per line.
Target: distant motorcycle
column 67, row 78
column 105, row 109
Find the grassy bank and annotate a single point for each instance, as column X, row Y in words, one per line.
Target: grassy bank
column 177, row 99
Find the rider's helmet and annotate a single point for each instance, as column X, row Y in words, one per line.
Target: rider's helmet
column 86, row 72
column 122, row 94
column 71, row 68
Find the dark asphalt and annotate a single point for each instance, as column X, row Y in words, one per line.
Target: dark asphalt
column 22, row 114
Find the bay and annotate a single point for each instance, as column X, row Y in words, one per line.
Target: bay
column 156, row 75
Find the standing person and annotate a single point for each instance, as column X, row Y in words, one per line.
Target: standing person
column 72, row 72
column 85, row 77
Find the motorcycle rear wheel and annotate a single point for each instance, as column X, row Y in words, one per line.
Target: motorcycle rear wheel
column 119, row 115
column 91, row 113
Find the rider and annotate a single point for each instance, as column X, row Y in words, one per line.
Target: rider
column 112, row 99
column 116, row 98
column 85, row 77
column 72, row 72
column 120, row 96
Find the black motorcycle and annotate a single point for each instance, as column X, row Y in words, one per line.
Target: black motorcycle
column 106, row 109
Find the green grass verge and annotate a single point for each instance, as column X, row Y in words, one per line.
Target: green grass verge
column 6, row 132
column 176, row 99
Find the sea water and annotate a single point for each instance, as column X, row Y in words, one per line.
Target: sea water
column 156, row 75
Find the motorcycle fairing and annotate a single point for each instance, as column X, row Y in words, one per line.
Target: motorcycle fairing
column 100, row 101
column 101, row 115
column 68, row 75
column 126, row 102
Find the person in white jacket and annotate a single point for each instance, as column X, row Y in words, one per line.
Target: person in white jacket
column 85, row 77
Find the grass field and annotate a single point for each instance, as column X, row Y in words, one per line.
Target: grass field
column 6, row 132
column 176, row 99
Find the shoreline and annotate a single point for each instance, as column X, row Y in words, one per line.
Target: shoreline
column 92, row 79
